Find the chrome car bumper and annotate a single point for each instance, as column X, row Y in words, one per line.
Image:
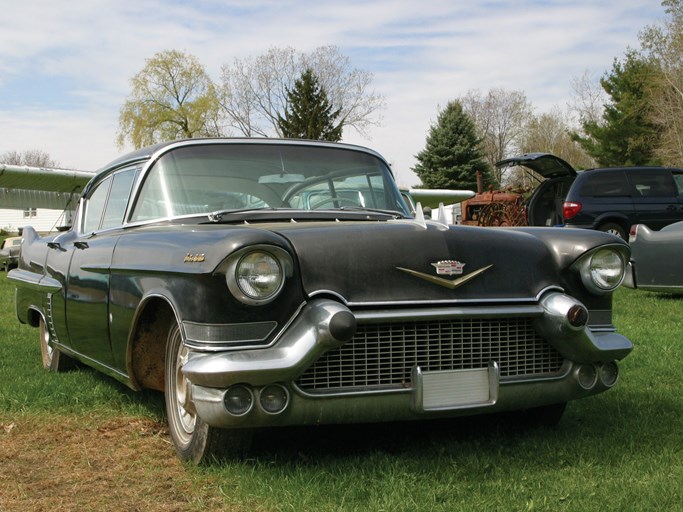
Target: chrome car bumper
column 324, row 325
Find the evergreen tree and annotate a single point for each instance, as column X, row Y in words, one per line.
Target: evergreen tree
column 625, row 135
column 309, row 114
column 452, row 155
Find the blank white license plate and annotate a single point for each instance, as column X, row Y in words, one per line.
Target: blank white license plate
column 456, row 389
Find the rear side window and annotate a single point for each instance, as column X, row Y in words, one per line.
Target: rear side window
column 678, row 178
column 652, row 183
column 605, row 184
column 107, row 203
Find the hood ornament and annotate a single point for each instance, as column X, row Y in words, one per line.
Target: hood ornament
column 441, row 281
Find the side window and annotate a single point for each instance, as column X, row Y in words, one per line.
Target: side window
column 652, row 183
column 95, row 206
column 678, row 178
column 605, row 184
column 118, row 199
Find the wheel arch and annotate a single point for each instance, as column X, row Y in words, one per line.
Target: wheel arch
column 613, row 218
column 147, row 346
column 33, row 316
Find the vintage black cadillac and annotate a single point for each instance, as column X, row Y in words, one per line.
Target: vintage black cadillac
column 260, row 283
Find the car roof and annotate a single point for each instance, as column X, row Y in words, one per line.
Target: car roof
column 545, row 164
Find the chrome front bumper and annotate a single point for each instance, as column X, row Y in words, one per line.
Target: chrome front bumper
column 325, row 324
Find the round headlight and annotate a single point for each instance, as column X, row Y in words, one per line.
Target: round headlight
column 259, row 275
column 606, row 268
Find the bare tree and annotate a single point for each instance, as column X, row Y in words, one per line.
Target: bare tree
column 31, row 157
column 664, row 46
column 500, row 117
column 551, row 133
column 254, row 91
column 172, row 97
column 588, row 100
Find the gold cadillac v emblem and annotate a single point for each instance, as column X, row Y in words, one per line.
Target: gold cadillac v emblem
column 442, row 281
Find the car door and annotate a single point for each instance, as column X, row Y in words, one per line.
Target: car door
column 87, row 288
column 655, row 197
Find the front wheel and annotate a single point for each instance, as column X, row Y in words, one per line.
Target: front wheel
column 194, row 440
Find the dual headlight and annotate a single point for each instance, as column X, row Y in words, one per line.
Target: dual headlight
column 256, row 275
column 603, row 270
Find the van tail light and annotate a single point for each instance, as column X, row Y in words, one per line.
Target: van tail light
column 570, row 209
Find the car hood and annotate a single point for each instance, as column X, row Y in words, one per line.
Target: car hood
column 396, row 262
column 545, row 164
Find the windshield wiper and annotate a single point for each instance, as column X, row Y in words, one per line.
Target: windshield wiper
column 219, row 215
column 391, row 213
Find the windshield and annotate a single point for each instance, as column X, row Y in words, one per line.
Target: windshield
column 202, row 179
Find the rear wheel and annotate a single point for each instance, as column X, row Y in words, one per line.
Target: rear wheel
column 53, row 359
column 195, row 441
column 613, row 229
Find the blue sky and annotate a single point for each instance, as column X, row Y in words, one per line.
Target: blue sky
column 65, row 67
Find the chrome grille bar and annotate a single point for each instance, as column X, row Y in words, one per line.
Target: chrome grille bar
column 383, row 354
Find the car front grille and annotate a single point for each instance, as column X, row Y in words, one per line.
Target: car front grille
column 383, row 355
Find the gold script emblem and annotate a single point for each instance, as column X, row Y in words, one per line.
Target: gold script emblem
column 193, row 258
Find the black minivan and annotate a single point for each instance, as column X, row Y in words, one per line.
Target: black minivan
column 610, row 199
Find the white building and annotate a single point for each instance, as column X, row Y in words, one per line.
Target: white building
column 44, row 198
column 43, row 220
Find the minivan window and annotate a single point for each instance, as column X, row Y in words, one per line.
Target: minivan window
column 652, row 183
column 678, row 178
column 605, row 184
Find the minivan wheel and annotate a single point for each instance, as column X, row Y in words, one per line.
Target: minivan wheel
column 614, row 229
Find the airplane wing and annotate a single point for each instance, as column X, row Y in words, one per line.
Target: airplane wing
column 23, row 187
column 431, row 197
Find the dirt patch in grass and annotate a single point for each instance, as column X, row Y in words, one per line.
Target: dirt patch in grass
column 126, row 464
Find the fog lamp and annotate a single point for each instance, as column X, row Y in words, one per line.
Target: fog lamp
column 238, row 400
column 274, row 399
column 609, row 373
column 587, row 376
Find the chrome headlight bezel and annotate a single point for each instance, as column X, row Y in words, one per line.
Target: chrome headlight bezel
column 603, row 269
column 251, row 287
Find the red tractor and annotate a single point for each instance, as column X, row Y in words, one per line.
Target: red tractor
column 494, row 208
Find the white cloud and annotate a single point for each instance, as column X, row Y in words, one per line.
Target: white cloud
column 65, row 69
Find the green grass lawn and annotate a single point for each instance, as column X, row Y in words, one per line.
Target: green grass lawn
column 621, row 450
